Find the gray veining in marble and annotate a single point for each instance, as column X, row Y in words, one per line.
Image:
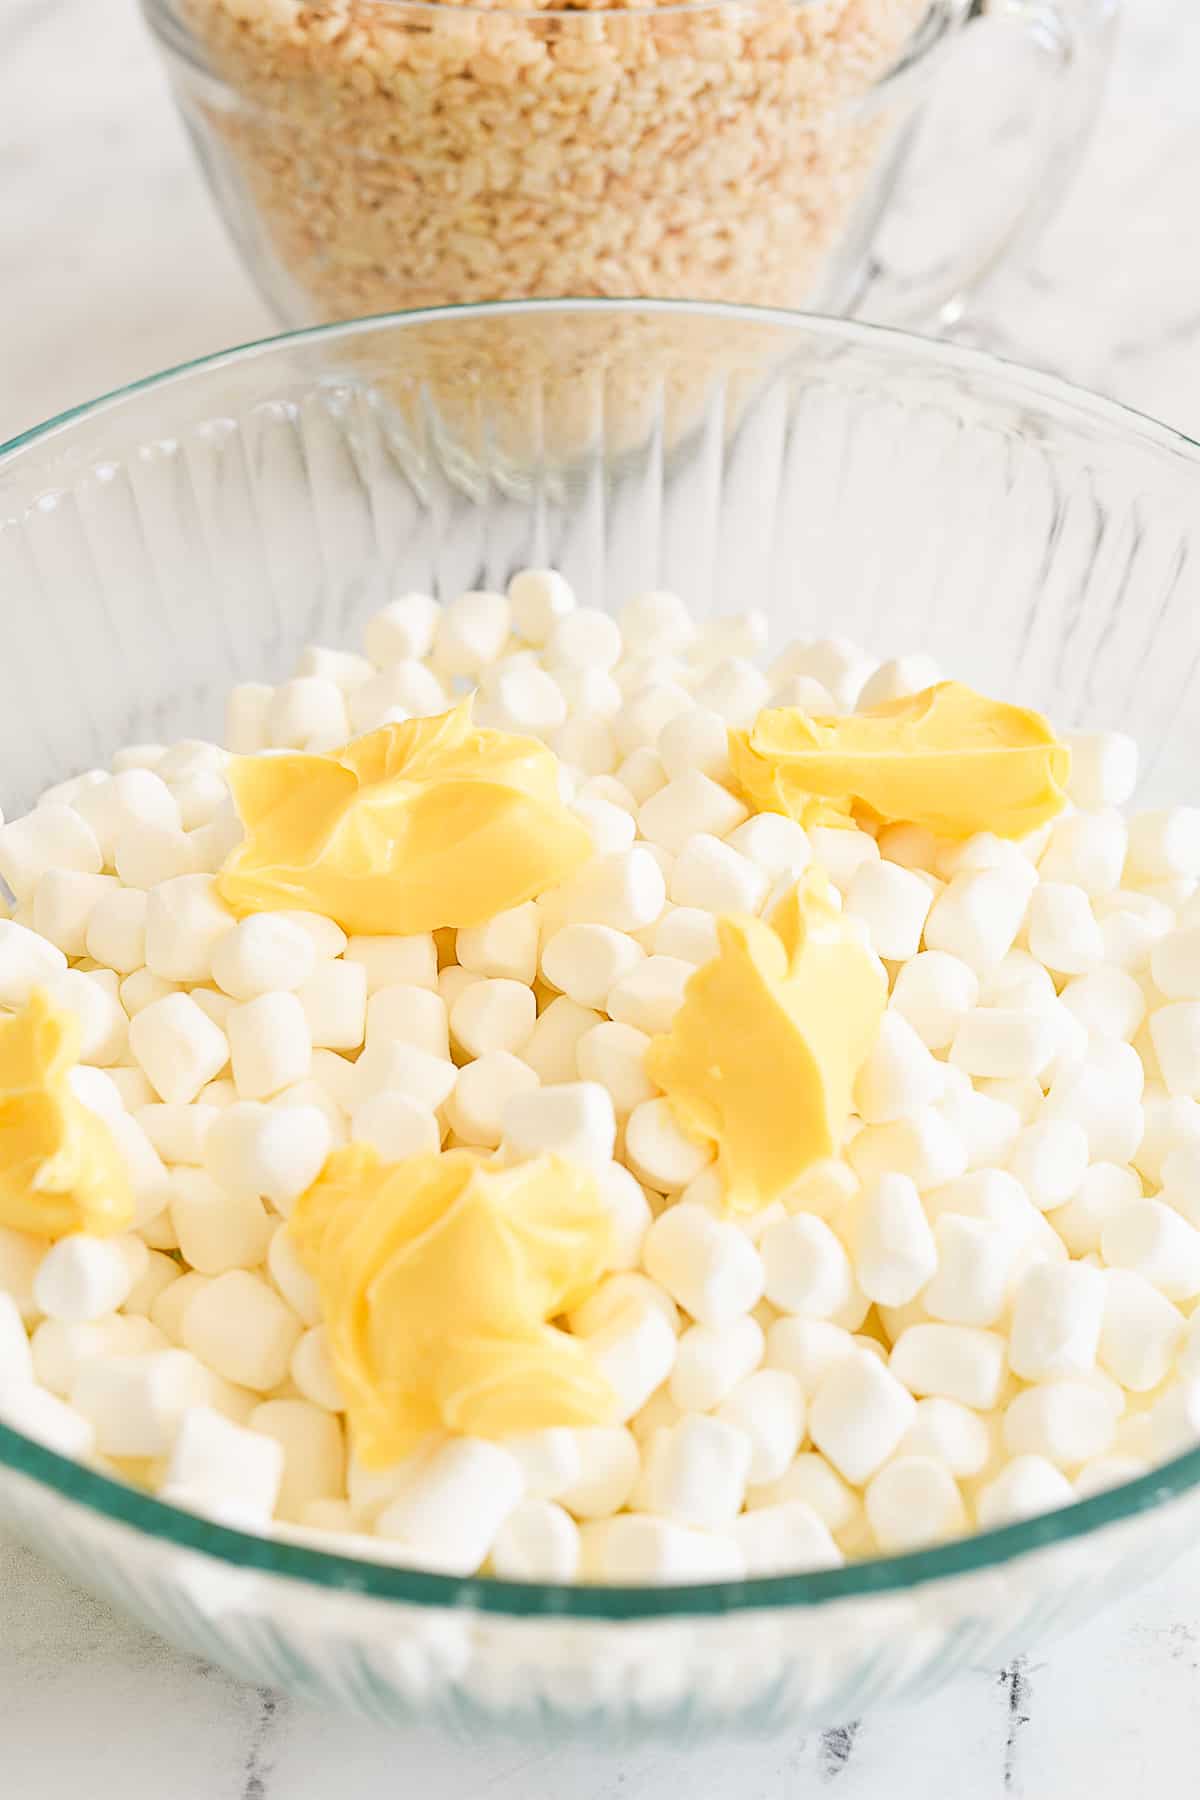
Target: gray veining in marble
column 112, row 265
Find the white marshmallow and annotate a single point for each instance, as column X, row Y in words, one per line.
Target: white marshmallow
column 650, row 994
column 266, row 1151
column 239, row 1327
column 807, row 1349
column 1067, row 1422
column 1108, row 1003
column 216, row 1463
column 570, row 1119
column 334, row 999
column 898, row 677
column 449, row 1511
column 389, row 961
column 625, row 1202
column 986, row 1125
column 1024, row 1487
column 608, row 1456
column 710, row 1361
column 135, row 1403
column 1056, row 1321
column 659, row 1151
column 539, row 598
column 893, row 903
column 586, row 961
column 396, row 1126
column 399, row 1068
column 20, row 1256
column 27, row 961
column 47, row 1420
column 1063, row 933
column 583, row 637
column 707, row 1265
column 178, row 1047
column 314, row 1457
column 295, row 1284
column 403, row 630
column 1153, row 1241
column 50, row 837
column 261, row 955
column 525, row 700
column 146, row 855
column 615, row 1056
column 956, row 1362
column 551, row 1050
column 894, row 1251
column 638, row 1550
column 625, row 891
column 404, row 690
column 695, row 741
column 471, row 632
column 806, row 1269
column 768, row 1406
column 269, row 1045
column 1175, row 1034
column 975, row 1260
column 634, row 1351
column 785, row 1538
column 475, row 1108
column 538, row 1541
column 1174, row 963
column 692, row 803
column 412, row 1015
column 687, row 934
column 899, row 1076
column 1165, row 845
column 83, row 1277
column 116, row 930
column 307, row 708
column 1103, row 1094
column 343, row 667
column 1087, row 850
column 912, row 1502
column 63, row 903
column 978, row 915
column 695, row 1473
column 217, row 1229
column 1104, row 768
column 858, row 1415
column 505, row 948
column 657, row 621
column 712, row 877
column 94, row 997
column 1003, row 1042
column 550, row 1460
column 951, row 1434
column 647, row 708
column 1050, row 1158
column 926, row 1147
column 1141, row 1331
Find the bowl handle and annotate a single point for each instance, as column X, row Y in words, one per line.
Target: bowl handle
column 952, row 180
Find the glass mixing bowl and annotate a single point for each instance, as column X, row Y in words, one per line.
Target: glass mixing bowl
column 200, row 528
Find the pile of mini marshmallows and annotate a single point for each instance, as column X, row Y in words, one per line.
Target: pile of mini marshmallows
column 982, row 1310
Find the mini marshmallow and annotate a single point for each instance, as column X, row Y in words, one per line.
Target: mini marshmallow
column 688, row 805
column 951, row 1434
column 1108, row 1002
column 116, row 930
column 955, row 1362
column 539, row 598
column 634, row 1352
column 185, row 919
column 1003, row 1042
column 411, row 1015
column 63, row 903
column 551, row 1048
column 893, row 903
column 586, row 961
column 1104, row 768
column 629, row 1213
column 710, row 1362
column 659, row 1151
column 261, row 955
column 217, row 1229
column 686, row 933
column 269, row 1045
column 50, row 837
column 178, row 1046
column 396, row 1126
column 1103, row 1095
column 402, row 631
column 1165, row 845
column 812, row 1482
column 650, row 994
column 807, row 1349
column 858, row 1415
column 1153, row 1241
column 706, row 1264
column 912, row 1502
column 625, row 891
column 927, row 1148
column 637, row 1549
column 1141, row 1331
column 1063, row 933
column 1086, row 850
column 975, row 1259
column 94, row 998
column 20, row 1257
column 454, row 1503
column 475, row 1108
column 83, row 1277
column 1056, row 1321
column 550, row 1460
column 334, row 999
column 768, row 1406
column 307, row 708
column 506, row 947
column 47, row 1420
column 648, row 706
column 135, row 1403
column 712, row 877
column 582, row 638
column 696, row 1472
column 258, row 1150
column 239, row 1327
column 538, row 1541
column 314, row 1454
column 27, row 961
column 894, row 1251
column 525, row 700
column 1066, row 1422
column 1050, row 1158
column 388, row 961
column 978, row 916
column 695, row 741
column 899, row 1076
column 157, row 1276
column 570, row 1119
column 1027, row 1485
column 214, row 1462
column 806, row 1269
column 615, row 1056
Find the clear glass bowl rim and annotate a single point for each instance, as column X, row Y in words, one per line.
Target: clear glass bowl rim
column 890, row 1575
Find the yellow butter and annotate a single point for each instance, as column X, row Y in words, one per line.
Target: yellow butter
column 762, row 1056
column 60, row 1170
column 437, row 1278
column 947, row 758
column 435, row 822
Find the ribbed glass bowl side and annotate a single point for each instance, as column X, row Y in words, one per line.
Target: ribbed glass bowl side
column 200, row 529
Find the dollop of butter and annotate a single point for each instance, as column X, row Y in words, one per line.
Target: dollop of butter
column 762, row 1056
column 60, row 1170
column 947, row 758
column 434, row 822
column 437, row 1278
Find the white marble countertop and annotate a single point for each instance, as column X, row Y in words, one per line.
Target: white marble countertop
column 112, row 264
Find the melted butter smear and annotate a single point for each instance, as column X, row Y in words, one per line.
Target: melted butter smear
column 435, row 822
column 438, row 1276
column 763, row 1054
column 60, row 1170
column 947, row 758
